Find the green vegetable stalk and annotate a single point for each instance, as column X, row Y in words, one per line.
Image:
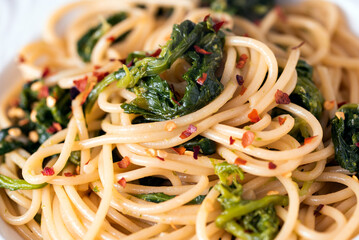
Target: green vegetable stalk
column 245, row 219
column 16, row 184
column 345, row 136
column 162, row 197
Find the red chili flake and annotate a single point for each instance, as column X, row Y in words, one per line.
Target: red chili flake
column 240, row 161
column 272, row 166
column 357, row 144
column 55, row 127
column 195, row 152
column 240, row 80
column 45, row 72
column 123, row 61
column 246, row 35
column 298, row 46
column 48, row 171
column 43, row 92
column 156, row 53
column 247, row 139
column 110, row 38
column 124, row 163
column 180, row 150
column 176, row 101
column 243, row 90
column 122, row 182
column 202, row 79
column 309, row 139
column 100, row 75
column 231, row 140
column 242, row 61
column 253, row 116
column 68, row 174
column 201, row 50
column 96, row 67
column 342, row 103
column 188, row 132
column 218, row 26
column 160, row 158
column 281, row 120
column 87, row 92
column 317, row 210
column 81, row 83
column 280, row 14
column 206, row 18
column 21, row 59
column 281, row 97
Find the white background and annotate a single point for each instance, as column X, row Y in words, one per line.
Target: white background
column 21, row 21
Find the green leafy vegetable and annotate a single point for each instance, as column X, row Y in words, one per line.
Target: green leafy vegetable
column 45, row 117
column 245, row 219
column 300, row 129
column 345, row 136
column 88, row 41
column 75, row 157
column 207, row 146
column 8, row 144
column 162, row 197
column 16, row 184
column 250, row 9
column 155, row 99
column 305, row 93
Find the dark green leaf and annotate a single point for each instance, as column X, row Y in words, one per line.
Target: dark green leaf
column 250, row 9
column 306, row 94
column 88, row 41
column 207, row 146
column 345, row 136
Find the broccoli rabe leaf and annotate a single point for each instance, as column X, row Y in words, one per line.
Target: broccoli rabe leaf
column 155, row 100
column 305, row 93
column 162, row 197
column 300, row 129
column 45, row 117
column 206, row 146
column 345, row 136
column 250, row 9
column 88, row 41
column 16, row 184
column 8, row 144
column 245, row 219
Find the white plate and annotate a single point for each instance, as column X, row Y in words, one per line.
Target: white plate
column 21, row 21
